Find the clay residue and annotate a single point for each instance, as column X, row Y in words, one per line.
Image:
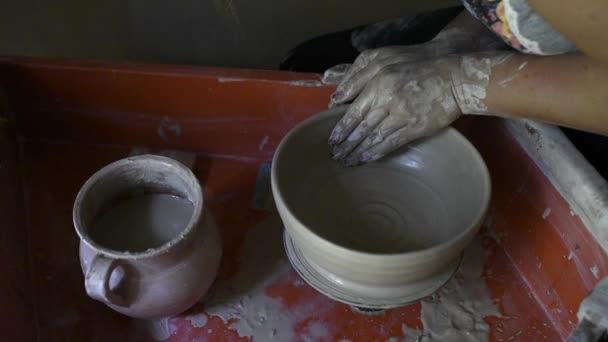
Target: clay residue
column 411, row 334
column 315, row 331
column 546, row 213
column 457, row 311
column 595, row 271
column 230, row 79
column 263, row 143
column 197, row 320
column 306, row 83
column 505, row 82
column 242, row 301
column 159, row 329
column 472, row 78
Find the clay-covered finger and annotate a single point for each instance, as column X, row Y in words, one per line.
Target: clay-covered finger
column 335, row 74
column 349, row 122
column 349, row 89
column 384, row 130
column 352, row 85
column 360, row 63
column 351, row 119
column 394, row 141
column 360, row 133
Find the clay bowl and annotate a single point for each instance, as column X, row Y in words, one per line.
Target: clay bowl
column 383, row 234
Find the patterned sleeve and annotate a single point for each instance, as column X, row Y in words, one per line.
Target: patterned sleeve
column 520, row 26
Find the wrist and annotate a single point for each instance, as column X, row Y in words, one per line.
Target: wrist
column 470, row 77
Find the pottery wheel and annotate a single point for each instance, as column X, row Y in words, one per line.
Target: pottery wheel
column 322, row 282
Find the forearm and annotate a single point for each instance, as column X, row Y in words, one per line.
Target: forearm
column 569, row 90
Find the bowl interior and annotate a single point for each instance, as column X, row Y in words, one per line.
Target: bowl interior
column 420, row 196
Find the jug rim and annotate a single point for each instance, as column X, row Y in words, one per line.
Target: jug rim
column 180, row 169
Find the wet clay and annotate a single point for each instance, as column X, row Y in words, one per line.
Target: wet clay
column 459, row 310
column 139, row 223
column 470, row 80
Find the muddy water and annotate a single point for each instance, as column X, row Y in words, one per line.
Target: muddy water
column 139, row 223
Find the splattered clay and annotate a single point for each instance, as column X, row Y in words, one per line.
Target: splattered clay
column 455, row 313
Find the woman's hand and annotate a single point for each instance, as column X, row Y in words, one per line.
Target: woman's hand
column 464, row 35
column 353, row 78
column 402, row 102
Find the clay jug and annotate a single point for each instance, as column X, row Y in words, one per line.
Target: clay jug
column 157, row 277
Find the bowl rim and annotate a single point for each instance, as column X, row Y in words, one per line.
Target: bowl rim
column 347, row 252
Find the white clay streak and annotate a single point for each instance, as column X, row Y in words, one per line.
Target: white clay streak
column 471, row 79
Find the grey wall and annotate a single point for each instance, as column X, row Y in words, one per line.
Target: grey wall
column 62, row 28
column 247, row 33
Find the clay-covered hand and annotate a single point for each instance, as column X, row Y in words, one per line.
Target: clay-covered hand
column 403, row 102
column 410, row 100
column 352, row 78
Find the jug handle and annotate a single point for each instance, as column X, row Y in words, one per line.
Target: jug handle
column 97, row 281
